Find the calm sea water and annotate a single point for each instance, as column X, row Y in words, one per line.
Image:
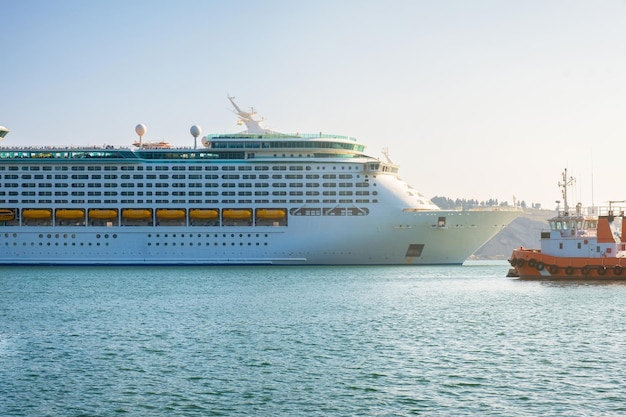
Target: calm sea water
column 315, row 341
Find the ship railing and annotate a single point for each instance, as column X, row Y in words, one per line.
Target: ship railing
column 595, row 211
column 279, row 136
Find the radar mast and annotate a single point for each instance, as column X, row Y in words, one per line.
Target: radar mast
column 253, row 126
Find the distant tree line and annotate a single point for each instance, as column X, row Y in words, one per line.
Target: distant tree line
column 466, row 204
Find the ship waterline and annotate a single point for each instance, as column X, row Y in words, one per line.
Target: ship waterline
column 256, row 197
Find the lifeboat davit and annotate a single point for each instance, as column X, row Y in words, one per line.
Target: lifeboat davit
column 270, row 214
column 170, row 214
column 38, row 214
column 136, row 214
column 237, row 214
column 70, row 214
column 102, row 214
column 6, row 214
column 204, row 214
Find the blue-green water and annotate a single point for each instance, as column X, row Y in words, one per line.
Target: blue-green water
column 319, row 341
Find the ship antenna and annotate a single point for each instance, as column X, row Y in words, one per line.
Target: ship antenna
column 566, row 182
column 254, row 126
column 386, row 155
column 592, row 199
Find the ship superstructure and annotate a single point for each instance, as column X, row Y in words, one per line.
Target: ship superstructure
column 255, row 197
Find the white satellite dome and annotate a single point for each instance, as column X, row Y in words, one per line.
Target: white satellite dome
column 141, row 129
column 195, row 131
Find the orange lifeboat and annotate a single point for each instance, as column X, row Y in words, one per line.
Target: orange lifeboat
column 70, row 214
column 270, row 214
column 203, row 214
column 170, row 214
column 136, row 214
column 6, row 214
column 37, row 214
column 102, row 214
column 237, row 214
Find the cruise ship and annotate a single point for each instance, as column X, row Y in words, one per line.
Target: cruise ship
column 258, row 197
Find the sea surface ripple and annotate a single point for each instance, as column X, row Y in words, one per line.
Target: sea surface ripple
column 314, row 341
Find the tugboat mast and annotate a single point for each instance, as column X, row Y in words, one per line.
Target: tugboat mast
column 566, row 182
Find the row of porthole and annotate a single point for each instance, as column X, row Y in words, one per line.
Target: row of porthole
column 65, row 235
column 216, row 235
column 106, row 236
column 149, row 244
column 206, row 244
column 57, row 244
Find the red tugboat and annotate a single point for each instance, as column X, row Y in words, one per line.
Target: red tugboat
column 590, row 245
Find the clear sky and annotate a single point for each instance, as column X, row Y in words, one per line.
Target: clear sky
column 474, row 99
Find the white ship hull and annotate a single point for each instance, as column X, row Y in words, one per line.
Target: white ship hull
column 313, row 241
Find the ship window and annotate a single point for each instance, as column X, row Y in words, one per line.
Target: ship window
column 441, row 222
column 579, row 245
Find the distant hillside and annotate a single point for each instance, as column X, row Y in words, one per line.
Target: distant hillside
column 523, row 231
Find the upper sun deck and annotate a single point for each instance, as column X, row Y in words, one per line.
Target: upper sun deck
column 256, row 142
column 60, row 153
column 232, row 146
